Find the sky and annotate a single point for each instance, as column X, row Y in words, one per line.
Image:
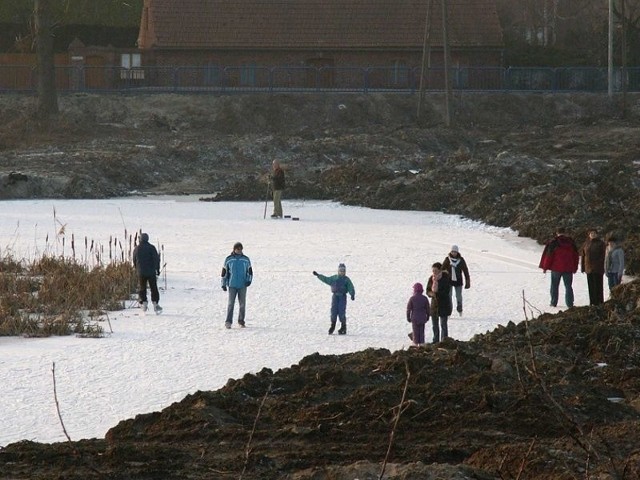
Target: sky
column 146, row 362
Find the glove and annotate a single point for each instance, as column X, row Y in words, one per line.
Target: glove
column 246, row 284
column 157, row 273
column 315, row 273
column 224, row 288
column 467, row 286
column 353, row 297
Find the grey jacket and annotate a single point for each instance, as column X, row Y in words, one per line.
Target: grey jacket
column 614, row 261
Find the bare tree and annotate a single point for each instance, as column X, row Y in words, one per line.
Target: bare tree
column 46, row 75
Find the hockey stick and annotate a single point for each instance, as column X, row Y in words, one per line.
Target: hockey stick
column 266, row 200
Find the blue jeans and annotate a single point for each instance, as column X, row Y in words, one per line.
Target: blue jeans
column 458, row 290
column 440, row 332
column 242, row 300
column 567, row 279
column 613, row 280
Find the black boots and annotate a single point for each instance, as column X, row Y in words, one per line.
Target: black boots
column 342, row 331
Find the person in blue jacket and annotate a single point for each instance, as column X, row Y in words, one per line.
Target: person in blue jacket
column 237, row 275
column 341, row 285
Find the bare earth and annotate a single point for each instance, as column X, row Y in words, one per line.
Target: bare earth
column 555, row 397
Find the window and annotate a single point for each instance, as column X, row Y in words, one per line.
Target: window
column 248, row 75
column 131, row 64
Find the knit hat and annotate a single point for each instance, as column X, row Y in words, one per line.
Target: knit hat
column 454, row 248
column 417, row 288
column 144, row 237
column 342, row 267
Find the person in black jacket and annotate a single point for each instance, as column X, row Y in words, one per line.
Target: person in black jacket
column 277, row 185
column 439, row 290
column 456, row 267
column 147, row 263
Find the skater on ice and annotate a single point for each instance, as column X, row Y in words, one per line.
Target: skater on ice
column 146, row 260
column 341, row 285
column 237, row 275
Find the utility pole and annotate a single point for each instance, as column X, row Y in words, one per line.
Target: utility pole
column 610, row 51
column 426, row 57
column 447, row 83
column 47, row 95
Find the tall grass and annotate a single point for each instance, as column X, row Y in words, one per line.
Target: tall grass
column 67, row 293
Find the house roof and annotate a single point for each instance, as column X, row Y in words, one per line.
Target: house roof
column 314, row 24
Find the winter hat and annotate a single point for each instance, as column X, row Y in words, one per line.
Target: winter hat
column 454, row 248
column 237, row 246
column 417, row 288
column 144, row 237
column 342, row 267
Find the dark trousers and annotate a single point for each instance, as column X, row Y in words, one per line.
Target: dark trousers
column 567, row 279
column 153, row 286
column 596, row 288
column 440, row 331
column 339, row 309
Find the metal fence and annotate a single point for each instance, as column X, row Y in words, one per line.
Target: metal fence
column 251, row 78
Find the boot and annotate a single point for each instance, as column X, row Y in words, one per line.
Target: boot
column 157, row 308
column 144, row 306
column 332, row 328
column 343, row 329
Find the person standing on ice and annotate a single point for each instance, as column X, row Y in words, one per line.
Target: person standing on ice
column 560, row 255
column 439, row 290
column 341, row 285
column 456, row 267
column 418, row 312
column 592, row 255
column 237, row 275
column 277, row 186
column 146, row 261
column 614, row 262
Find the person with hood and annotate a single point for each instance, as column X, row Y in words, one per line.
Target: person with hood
column 237, row 275
column 341, row 285
column 146, row 261
column 614, row 262
column 277, row 186
column 592, row 256
column 439, row 290
column 456, row 267
column 560, row 255
column 418, row 312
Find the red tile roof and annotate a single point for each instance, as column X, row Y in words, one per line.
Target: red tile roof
column 313, row 24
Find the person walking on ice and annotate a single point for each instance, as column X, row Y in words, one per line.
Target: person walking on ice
column 418, row 312
column 456, row 267
column 146, row 260
column 341, row 285
column 237, row 275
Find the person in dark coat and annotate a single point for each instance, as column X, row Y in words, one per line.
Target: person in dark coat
column 418, row 312
column 277, row 186
column 146, row 260
column 592, row 256
column 439, row 290
column 560, row 255
column 456, row 267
